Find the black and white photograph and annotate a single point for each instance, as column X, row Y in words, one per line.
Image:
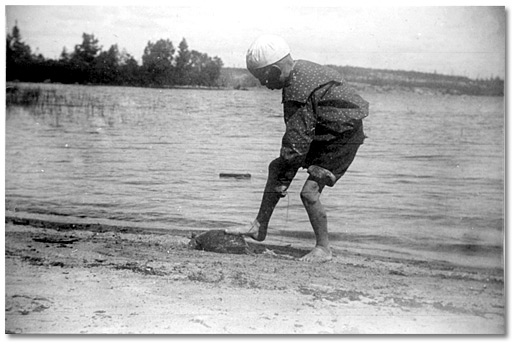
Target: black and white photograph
column 255, row 169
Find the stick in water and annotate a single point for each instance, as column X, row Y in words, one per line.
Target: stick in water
column 235, row 175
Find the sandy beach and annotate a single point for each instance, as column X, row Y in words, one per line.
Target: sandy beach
column 72, row 278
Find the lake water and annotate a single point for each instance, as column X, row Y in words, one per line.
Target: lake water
column 429, row 178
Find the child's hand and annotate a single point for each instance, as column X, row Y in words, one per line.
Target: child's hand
column 282, row 190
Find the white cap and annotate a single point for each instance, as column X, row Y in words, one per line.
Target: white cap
column 266, row 50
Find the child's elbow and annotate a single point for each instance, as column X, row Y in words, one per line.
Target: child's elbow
column 362, row 107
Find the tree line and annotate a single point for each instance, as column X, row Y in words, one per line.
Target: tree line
column 162, row 64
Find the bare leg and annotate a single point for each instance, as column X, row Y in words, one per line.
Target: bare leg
column 273, row 191
column 310, row 195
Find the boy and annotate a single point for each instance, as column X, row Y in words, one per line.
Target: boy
column 324, row 130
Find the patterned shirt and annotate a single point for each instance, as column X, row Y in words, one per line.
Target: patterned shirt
column 318, row 106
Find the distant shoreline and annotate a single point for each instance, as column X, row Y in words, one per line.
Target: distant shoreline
column 360, row 87
column 386, row 80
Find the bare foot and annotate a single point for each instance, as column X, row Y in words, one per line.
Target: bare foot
column 319, row 254
column 253, row 231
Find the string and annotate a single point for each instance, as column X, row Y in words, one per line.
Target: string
column 286, row 216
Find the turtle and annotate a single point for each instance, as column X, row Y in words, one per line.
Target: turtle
column 220, row 242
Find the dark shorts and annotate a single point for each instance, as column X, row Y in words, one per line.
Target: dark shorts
column 336, row 155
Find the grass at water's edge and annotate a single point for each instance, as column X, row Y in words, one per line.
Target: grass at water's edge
column 22, row 96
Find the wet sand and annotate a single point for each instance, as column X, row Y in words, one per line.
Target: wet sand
column 68, row 277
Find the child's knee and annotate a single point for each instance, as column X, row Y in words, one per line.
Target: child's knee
column 279, row 173
column 275, row 166
column 310, row 194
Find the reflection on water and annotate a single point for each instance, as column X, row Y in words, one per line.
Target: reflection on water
column 430, row 175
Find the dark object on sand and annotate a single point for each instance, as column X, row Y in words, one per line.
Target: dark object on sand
column 235, row 175
column 56, row 240
column 219, row 241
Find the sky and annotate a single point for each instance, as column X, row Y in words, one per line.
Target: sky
column 462, row 40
